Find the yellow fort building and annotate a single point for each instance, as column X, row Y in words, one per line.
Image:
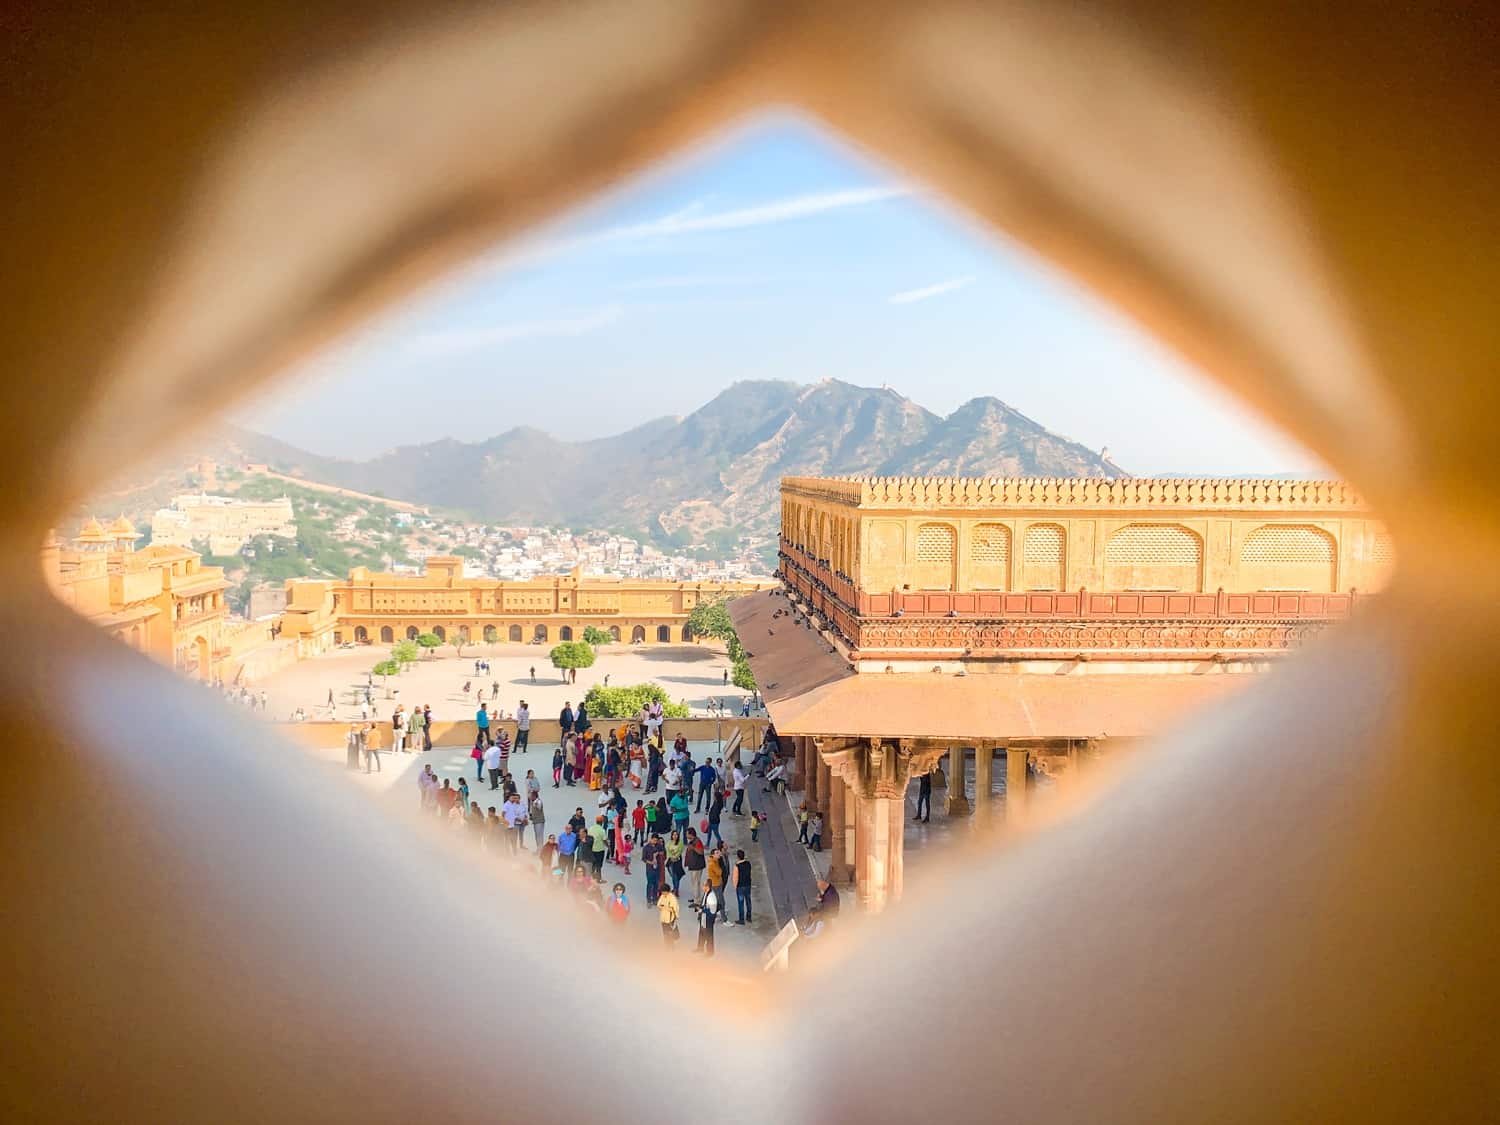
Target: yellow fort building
column 378, row 608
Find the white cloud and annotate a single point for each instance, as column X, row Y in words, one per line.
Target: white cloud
column 692, row 221
column 432, row 344
column 953, row 284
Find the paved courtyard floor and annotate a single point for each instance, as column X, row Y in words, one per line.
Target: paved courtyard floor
column 694, row 673
column 739, row 947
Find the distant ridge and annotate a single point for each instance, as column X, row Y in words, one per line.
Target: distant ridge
column 713, row 473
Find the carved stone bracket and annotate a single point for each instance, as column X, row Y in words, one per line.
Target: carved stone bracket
column 877, row 767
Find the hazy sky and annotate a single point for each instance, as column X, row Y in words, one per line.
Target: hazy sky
column 776, row 254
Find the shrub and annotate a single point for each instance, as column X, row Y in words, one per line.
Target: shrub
column 626, row 702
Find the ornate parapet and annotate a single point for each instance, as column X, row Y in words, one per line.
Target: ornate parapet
column 1131, row 494
column 994, row 638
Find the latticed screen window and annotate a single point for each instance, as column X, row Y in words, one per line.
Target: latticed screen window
column 1382, row 550
column 1042, row 557
column 1143, row 556
column 936, row 543
column 989, row 556
column 1288, row 544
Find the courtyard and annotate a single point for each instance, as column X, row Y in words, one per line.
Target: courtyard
column 691, row 673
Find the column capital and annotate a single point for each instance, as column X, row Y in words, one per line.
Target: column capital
column 874, row 767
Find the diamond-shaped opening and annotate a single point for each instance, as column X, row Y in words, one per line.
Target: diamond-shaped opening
column 401, row 553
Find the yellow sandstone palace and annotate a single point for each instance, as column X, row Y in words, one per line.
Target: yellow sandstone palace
column 378, row 608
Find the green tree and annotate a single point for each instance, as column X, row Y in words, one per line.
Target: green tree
column 430, row 641
column 741, row 676
column 626, row 702
column 405, row 652
column 385, row 670
column 572, row 654
column 458, row 638
column 596, row 637
column 711, row 619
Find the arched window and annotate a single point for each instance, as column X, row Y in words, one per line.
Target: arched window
column 565, row 633
column 439, row 632
column 614, row 632
column 1288, row 557
column 1153, row 556
column 463, row 633
column 515, row 634
column 935, row 557
column 638, row 635
column 539, row 633
column 387, row 634
column 989, row 557
column 1382, row 561
column 491, row 634
column 361, row 635
column 663, row 633
column 687, row 632
column 412, row 632
column 1044, row 557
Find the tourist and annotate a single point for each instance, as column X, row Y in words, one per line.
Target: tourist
column 708, row 908
column 372, row 747
column 476, row 822
column 353, row 744
column 671, row 780
column 717, row 874
column 462, row 800
column 775, row 779
column 523, row 724
column 533, row 673
column 815, row 925
column 567, row 847
column 565, row 719
column 398, row 729
column 666, row 913
column 623, row 847
column 738, row 779
column 815, row 831
column 757, row 818
column 802, row 823
column 674, row 848
column 715, row 814
column 653, row 769
column 491, row 757
column 680, row 813
column 558, row 764
column 493, row 826
column 514, row 814
column 482, row 721
column 502, row 740
column 585, row 845
column 638, row 822
column 924, row 797
column 533, row 785
column 548, row 854
column 694, row 860
column 654, row 859
column 581, row 719
column 740, row 878
column 726, row 677
column 598, row 846
column 426, row 726
column 416, row 730
column 427, row 784
column 618, row 909
column 479, row 753
column 445, row 798
column 537, row 816
column 706, row 778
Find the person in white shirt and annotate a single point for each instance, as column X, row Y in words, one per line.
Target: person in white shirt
column 492, row 763
column 523, row 727
column 515, row 819
column 739, row 789
column 671, row 780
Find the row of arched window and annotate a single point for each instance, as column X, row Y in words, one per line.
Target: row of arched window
column 516, row 634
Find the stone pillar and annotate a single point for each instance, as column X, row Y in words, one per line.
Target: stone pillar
column 810, row 784
column 825, row 781
column 879, row 855
column 984, row 764
column 1015, row 784
column 958, row 803
column 840, row 836
column 804, row 745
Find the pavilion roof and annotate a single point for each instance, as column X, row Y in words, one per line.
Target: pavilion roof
column 810, row 690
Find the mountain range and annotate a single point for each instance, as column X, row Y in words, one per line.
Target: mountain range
column 711, row 474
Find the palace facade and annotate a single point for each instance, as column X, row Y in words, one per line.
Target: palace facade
column 378, row 608
column 226, row 524
column 924, row 620
column 159, row 600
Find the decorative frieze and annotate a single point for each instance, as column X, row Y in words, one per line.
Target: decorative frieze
column 1127, row 494
column 1003, row 637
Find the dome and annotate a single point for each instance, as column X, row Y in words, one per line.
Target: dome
column 92, row 532
column 123, row 526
